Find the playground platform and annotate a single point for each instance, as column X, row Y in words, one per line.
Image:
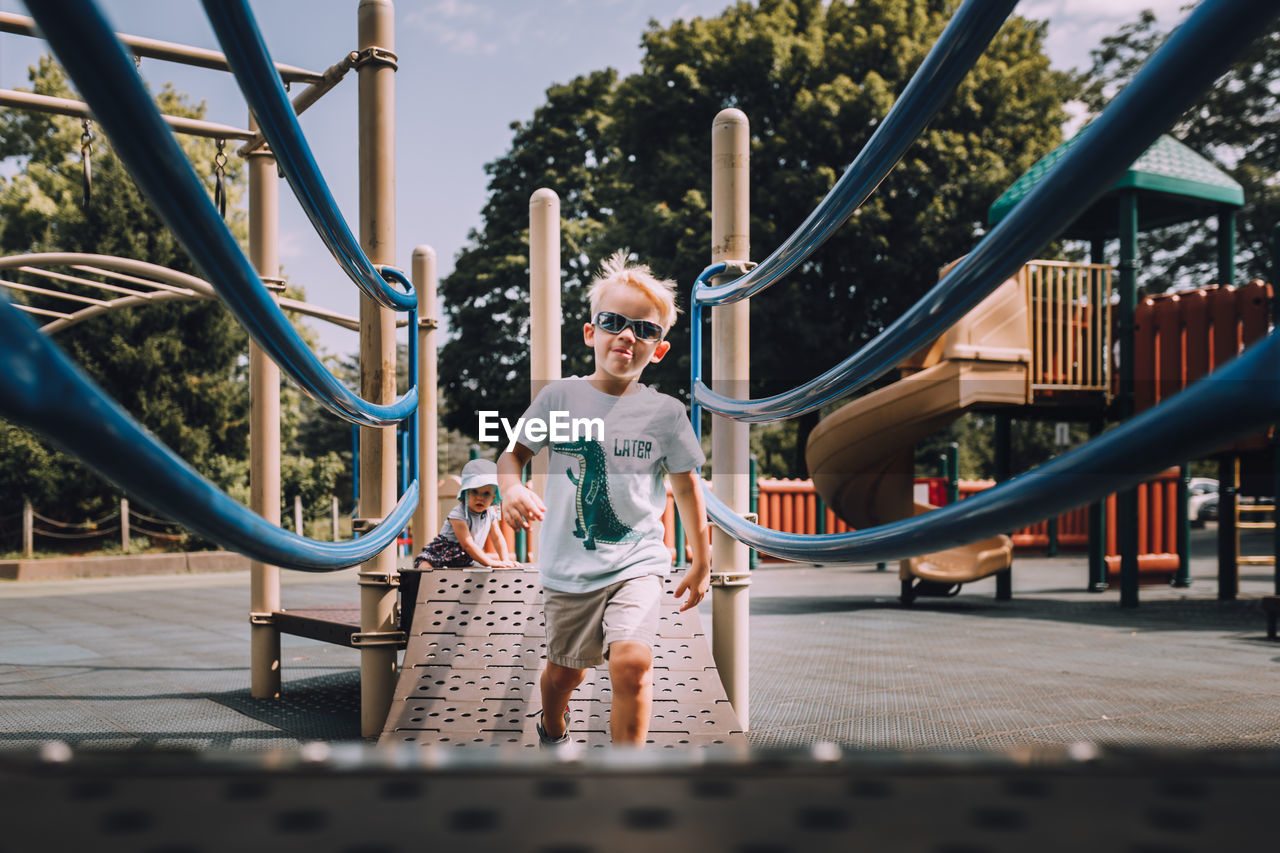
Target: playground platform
column 1054, row 719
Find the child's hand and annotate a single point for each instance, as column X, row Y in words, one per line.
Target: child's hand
column 503, row 563
column 521, row 505
column 697, row 581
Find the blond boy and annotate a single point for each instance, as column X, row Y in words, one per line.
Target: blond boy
column 601, row 556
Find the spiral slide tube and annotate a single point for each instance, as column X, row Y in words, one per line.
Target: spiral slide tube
column 247, row 55
column 1169, row 83
column 108, row 81
column 965, row 38
column 41, row 389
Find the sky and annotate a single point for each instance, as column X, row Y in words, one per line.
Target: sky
column 467, row 70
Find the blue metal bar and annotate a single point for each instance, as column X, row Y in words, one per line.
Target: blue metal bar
column 1186, row 426
column 1186, row 65
column 41, row 389
column 966, row 36
column 108, row 81
column 247, row 54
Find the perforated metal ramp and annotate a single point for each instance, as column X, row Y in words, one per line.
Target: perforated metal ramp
column 477, row 644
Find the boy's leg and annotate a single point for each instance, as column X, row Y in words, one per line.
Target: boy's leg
column 631, row 677
column 557, row 683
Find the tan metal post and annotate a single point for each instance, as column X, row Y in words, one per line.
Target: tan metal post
column 426, row 518
column 730, row 441
column 124, row 525
column 333, row 515
column 544, row 317
column 376, row 45
column 264, row 431
column 28, row 530
column 297, row 516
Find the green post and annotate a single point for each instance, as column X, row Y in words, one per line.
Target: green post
column 1127, row 501
column 1097, row 581
column 1275, row 444
column 1182, row 577
column 821, row 520
column 753, row 504
column 1004, row 469
column 522, row 536
column 953, row 473
column 1229, row 463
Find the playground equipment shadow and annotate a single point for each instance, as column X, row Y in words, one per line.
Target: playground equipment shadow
column 161, row 663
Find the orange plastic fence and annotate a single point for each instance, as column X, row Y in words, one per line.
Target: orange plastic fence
column 1179, row 337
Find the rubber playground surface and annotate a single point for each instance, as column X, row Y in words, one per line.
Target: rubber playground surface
column 161, row 663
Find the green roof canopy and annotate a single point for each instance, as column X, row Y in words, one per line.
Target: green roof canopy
column 1173, row 184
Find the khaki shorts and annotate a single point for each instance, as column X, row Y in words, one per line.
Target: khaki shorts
column 581, row 626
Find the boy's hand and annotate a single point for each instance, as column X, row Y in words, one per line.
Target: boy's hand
column 520, row 505
column 696, row 582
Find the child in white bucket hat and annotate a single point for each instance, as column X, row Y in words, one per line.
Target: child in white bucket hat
column 471, row 525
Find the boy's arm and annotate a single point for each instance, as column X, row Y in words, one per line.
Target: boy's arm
column 520, row 504
column 686, row 487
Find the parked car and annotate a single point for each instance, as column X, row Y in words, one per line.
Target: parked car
column 1202, row 500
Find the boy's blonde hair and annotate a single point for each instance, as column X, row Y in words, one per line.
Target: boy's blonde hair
column 616, row 270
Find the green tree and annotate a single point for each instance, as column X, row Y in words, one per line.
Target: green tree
column 1236, row 124
column 177, row 367
column 629, row 158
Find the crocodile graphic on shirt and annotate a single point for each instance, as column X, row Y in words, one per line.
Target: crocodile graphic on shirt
column 594, row 517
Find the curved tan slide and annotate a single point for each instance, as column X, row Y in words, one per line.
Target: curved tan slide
column 861, row 457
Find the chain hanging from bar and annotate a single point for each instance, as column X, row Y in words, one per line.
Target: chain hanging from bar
column 220, row 178
column 86, row 158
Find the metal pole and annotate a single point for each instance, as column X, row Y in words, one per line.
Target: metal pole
column 544, row 321
column 426, row 518
column 1127, row 501
column 124, row 525
column 79, row 109
column 166, row 50
column 754, row 503
column 376, row 43
column 264, row 432
column 1275, row 443
column 730, row 441
column 297, row 515
column 28, row 530
column 333, row 516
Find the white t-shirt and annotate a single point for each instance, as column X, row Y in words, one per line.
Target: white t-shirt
column 605, row 493
column 477, row 522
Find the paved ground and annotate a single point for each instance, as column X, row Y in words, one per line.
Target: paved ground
column 162, row 662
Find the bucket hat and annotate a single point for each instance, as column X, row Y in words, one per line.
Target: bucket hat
column 480, row 472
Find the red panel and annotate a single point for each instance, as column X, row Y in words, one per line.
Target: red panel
column 1195, row 320
column 1144, row 356
column 1253, row 303
column 1169, row 334
column 1226, row 325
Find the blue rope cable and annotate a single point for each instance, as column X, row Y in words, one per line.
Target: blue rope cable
column 959, row 46
column 1162, row 90
column 41, row 389
column 1186, row 426
column 108, row 81
column 250, row 61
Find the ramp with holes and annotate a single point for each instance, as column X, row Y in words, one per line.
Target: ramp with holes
column 476, row 648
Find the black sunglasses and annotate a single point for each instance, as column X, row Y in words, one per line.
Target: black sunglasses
column 615, row 323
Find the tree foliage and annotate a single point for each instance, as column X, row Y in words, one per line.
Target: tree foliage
column 1236, row 124
column 176, row 367
column 630, row 160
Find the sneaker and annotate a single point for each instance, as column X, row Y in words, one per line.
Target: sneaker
column 545, row 739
